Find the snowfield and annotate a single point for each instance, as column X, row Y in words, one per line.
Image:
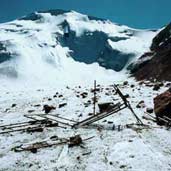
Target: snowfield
column 128, row 149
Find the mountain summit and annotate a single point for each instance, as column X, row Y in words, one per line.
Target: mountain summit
column 58, row 42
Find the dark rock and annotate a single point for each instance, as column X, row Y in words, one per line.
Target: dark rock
column 125, row 83
column 60, row 96
column 86, row 104
column 33, row 150
column 89, row 101
column 48, row 108
column 111, row 163
column 141, row 104
column 62, row 105
column 149, row 110
column 84, row 95
column 102, row 52
column 156, row 87
column 80, row 115
column 103, row 107
column 31, row 111
column 162, row 106
column 159, row 66
column 54, row 137
column 95, row 90
column 123, row 166
column 13, row 105
column 38, row 105
column 78, row 157
column 162, row 36
column 75, row 141
column 168, row 85
column 126, row 96
column 107, row 94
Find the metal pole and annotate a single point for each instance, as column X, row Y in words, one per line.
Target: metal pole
column 94, row 107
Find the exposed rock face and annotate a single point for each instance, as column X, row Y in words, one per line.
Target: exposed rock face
column 4, row 55
column 162, row 105
column 157, row 63
column 86, row 48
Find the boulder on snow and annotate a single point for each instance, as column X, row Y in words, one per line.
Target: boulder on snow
column 48, row 108
column 14, row 105
column 162, row 106
column 149, row 110
column 103, row 107
column 157, row 86
column 84, row 95
column 62, row 105
column 125, row 83
column 141, row 104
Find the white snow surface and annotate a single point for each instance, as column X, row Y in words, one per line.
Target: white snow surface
column 110, row 150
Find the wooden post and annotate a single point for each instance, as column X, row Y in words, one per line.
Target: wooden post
column 94, row 101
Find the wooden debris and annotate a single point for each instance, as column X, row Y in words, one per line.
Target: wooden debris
column 114, row 109
column 75, row 141
column 33, row 125
column 71, row 141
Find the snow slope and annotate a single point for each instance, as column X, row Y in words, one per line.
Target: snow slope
column 32, row 49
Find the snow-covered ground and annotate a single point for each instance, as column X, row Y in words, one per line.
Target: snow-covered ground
column 147, row 149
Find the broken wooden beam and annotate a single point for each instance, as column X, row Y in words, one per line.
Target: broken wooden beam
column 71, row 141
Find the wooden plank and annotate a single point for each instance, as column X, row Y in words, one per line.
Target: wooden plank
column 99, row 116
column 56, row 120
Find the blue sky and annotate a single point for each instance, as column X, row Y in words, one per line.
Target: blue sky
column 134, row 13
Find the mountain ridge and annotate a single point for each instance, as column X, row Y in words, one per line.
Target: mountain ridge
column 38, row 40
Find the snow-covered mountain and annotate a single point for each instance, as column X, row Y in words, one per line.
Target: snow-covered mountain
column 58, row 45
column 52, row 58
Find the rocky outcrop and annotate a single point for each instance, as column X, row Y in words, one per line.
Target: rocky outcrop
column 162, row 106
column 156, row 65
column 86, row 48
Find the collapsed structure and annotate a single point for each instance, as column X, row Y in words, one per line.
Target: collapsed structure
column 39, row 122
